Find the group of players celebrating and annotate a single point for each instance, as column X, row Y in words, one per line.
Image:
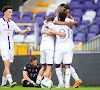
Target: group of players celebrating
column 56, row 47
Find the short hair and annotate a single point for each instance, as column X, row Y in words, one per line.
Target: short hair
column 66, row 7
column 49, row 18
column 6, row 8
column 32, row 58
column 61, row 5
column 60, row 9
column 62, row 16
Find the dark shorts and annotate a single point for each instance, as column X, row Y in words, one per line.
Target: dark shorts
column 27, row 84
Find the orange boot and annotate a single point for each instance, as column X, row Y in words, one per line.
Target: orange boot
column 77, row 83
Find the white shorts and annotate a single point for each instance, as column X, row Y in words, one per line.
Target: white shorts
column 7, row 55
column 63, row 55
column 46, row 57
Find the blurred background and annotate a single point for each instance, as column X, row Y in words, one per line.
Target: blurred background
column 33, row 12
column 86, row 36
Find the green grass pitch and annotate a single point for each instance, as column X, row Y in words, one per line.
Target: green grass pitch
column 19, row 87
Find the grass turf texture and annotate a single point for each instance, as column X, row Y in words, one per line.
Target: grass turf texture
column 19, row 87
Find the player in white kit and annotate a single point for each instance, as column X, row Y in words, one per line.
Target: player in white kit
column 63, row 49
column 69, row 18
column 7, row 27
column 46, row 51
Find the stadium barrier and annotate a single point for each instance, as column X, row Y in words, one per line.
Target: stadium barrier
column 86, row 64
column 28, row 49
column 92, row 45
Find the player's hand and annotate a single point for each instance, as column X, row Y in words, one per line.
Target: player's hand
column 63, row 34
column 72, row 23
column 34, row 83
column 28, row 29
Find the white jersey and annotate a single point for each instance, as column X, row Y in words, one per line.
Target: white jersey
column 47, row 41
column 6, row 33
column 61, row 28
column 67, row 20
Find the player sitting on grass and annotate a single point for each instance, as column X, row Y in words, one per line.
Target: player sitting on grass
column 7, row 27
column 30, row 73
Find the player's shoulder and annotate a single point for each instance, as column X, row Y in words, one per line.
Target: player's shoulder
column 28, row 65
column 1, row 19
column 12, row 21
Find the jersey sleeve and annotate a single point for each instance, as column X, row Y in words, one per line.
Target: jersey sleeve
column 25, row 68
column 55, row 19
column 69, row 20
column 16, row 28
column 51, row 26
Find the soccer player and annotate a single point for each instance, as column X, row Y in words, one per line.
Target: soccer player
column 69, row 18
column 30, row 72
column 46, row 50
column 7, row 27
column 63, row 50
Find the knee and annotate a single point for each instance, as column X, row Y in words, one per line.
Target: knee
column 57, row 66
column 22, row 82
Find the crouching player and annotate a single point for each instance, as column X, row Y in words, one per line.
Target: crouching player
column 30, row 73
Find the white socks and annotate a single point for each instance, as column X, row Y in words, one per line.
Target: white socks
column 38, row 80
column 74, row 74
column 4, row 81
column 59, row 75
column 9, row 78
column 67, row 78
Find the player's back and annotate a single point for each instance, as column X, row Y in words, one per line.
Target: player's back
column 62, row 28
column 47, row 42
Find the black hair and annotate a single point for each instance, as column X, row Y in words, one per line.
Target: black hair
column 66, row 7
column 49, row 18
column 61, row 5
column 62, row 16
column 6, row 8
column 32, row 58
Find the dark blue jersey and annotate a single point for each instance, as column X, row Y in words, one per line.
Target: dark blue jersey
column 32, row 72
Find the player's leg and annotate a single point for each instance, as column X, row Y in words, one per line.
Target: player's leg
column 67, row 61
column 4, row 80
column 48, row 71
column 41, row 72
column 58, row 59
column 25, row 83
column 49, row 62
column 40, row 75
column 4, row 54
column 76, row 78
column 74, row 74
column 67, row 76
column 63, row 71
